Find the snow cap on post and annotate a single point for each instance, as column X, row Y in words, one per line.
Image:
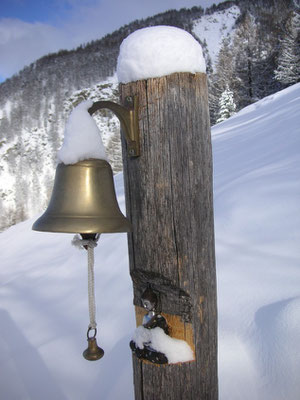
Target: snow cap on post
column 158, row 51
column 82, row 138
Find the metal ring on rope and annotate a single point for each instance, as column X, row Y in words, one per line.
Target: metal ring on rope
column 88, row 333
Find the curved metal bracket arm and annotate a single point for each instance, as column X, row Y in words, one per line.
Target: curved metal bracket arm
column 128, row 116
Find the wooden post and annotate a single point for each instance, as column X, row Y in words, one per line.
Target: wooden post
column 170, row 203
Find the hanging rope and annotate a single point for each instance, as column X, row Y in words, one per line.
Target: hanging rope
column 91, row 288
column 89, row 245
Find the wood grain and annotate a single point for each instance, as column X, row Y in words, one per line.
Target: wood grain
column 169, row 201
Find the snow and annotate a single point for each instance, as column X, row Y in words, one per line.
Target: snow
column 257, row 204
column 82, row 138
column 175, row 350
column 43, row 292
column 214, row 28
column 158, row 51
column 6, row 110
column 44, row 316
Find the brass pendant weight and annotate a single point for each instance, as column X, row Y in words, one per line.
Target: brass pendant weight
column 93, row 351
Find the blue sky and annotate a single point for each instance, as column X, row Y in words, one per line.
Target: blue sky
column 34, row 10
column 30, row 29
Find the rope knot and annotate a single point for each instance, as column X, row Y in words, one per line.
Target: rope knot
column 80, row 243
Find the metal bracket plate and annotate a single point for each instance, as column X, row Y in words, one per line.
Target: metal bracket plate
column 128, row 117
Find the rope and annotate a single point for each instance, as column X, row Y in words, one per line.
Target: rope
column 90, row 245
column 91, row 288
column 78, row 242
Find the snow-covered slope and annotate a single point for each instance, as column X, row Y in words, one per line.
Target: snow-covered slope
column 257, row 214
column 43, row 295
column 212, row 29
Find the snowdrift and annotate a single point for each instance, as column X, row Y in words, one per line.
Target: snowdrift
column 43, row 293
column 257, row 217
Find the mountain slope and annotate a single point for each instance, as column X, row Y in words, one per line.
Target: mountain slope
column 212, row 29
column 43, row 296
column 35, row 103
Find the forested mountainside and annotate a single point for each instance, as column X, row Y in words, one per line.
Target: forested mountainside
column 251, row 50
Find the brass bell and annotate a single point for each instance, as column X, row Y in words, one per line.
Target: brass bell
column 93, row 352
column 83, row 201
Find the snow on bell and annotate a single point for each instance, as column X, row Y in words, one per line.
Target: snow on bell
column 83, row 201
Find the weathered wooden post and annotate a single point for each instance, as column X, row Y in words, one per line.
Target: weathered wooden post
column 170, row 204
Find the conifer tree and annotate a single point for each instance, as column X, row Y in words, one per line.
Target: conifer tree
column 223, row 77
column 227, row 105
column 245, row 58
column 288, row 70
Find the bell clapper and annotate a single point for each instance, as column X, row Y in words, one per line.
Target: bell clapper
column 89, row 242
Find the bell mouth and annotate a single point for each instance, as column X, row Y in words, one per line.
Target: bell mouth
column 52, row 223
